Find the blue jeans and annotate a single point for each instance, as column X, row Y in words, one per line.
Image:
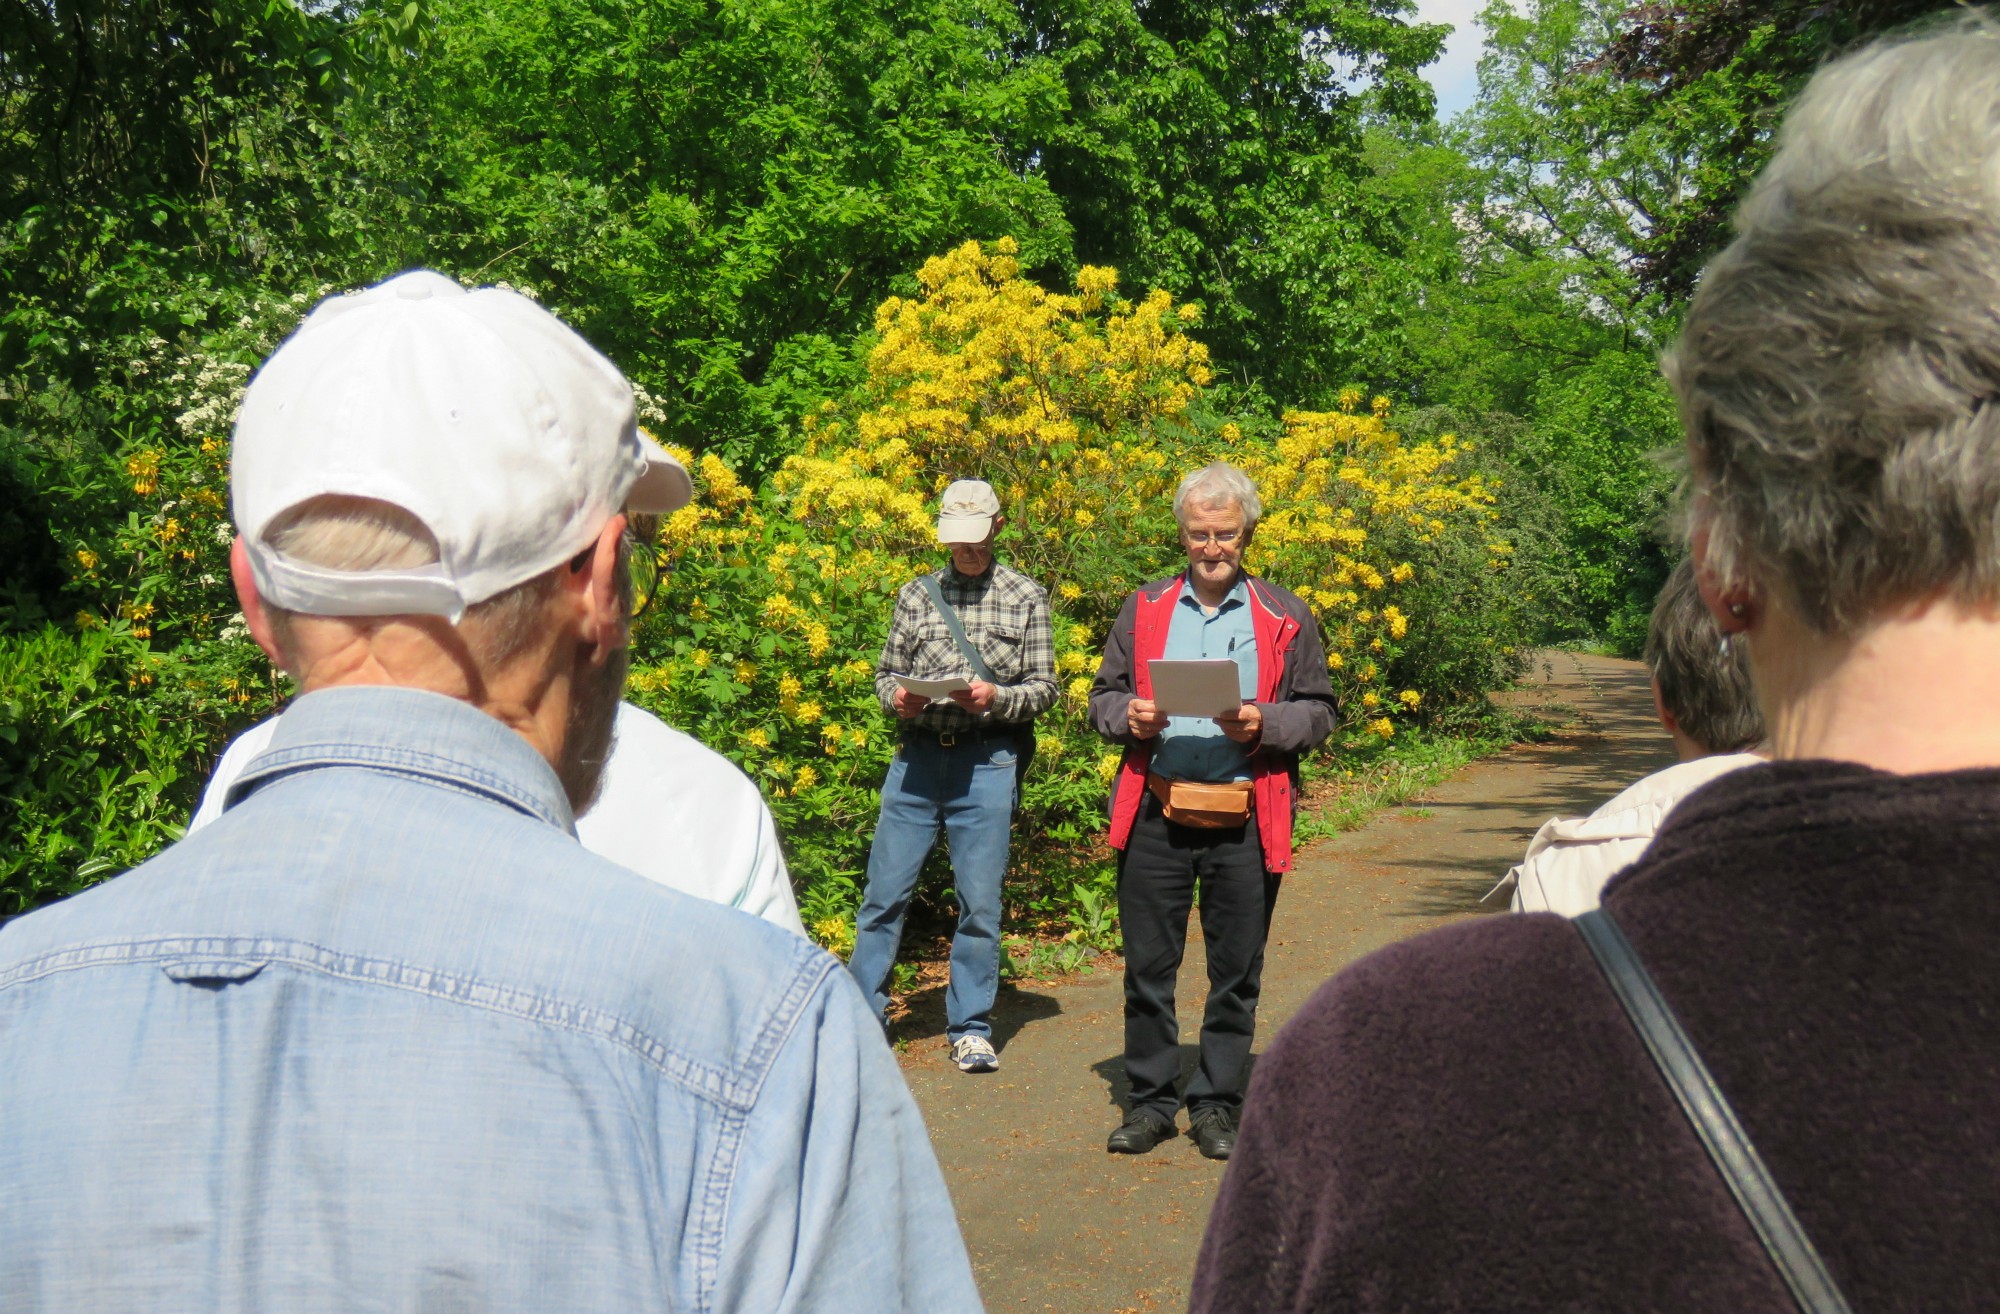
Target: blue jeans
column 969, row 789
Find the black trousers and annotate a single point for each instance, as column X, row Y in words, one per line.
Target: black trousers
column 1157, row 877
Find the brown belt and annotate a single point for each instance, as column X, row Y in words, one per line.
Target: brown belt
column 1203, row 804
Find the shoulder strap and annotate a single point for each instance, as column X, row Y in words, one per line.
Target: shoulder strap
column 950, row 617
column 1728, row 1145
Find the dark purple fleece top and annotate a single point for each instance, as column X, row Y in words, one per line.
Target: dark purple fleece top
column 1467, row 1121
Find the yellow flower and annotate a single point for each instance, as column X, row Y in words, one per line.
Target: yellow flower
column 746, row 672
column 1410, row 698
column 86, row 558
column 808, row 713
column 1370, row 701
column 756, row 738
column 700, row 658
column 145, row 471
column 806, row 778
column 835, row 935
column 1383, row 726
column 1107, row 766
column 789, row 686
column 1068, row 592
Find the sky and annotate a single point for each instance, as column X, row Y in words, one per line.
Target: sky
column 1456, row 74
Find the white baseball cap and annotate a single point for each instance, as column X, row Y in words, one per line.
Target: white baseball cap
column 966, row 512
column 478, row 412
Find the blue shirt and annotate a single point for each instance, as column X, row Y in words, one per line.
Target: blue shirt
column 386, row 1037
column 1194, row 747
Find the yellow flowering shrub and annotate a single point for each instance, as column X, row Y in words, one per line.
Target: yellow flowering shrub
column 1349, row 506
column 1084, row 409
column 1072, row 405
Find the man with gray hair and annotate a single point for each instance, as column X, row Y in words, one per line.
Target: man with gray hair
column 1205, row 802
column 384, row 1035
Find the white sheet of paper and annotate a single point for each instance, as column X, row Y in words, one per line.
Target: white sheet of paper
column 1208, row 687
column 936, row 689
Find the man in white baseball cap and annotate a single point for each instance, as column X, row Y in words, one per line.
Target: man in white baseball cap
column 383, row 1035
column 984, row 628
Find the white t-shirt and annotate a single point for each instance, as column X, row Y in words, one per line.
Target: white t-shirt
column 1571, row 859
column 671, row 809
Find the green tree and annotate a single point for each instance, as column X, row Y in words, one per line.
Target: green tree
column 716, row 194
column 1715, row 75
column 1213, row 147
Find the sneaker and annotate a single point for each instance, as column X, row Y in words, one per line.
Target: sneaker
column 974, row 1054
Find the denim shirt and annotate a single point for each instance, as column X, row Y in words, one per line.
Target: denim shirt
column 386, row 1037
column 1194, row 747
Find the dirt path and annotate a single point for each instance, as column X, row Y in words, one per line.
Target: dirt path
column 1055, row 1223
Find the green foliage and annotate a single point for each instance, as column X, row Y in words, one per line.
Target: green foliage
column 1714, row 75
column 720, row 195
column 92, row 770
column 1214, row 149
column 1599, row 447
column 716, row 195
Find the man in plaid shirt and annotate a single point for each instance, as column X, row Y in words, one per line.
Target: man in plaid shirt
column 959, row 761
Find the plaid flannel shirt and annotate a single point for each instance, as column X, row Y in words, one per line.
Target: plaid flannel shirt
column 1005, row 614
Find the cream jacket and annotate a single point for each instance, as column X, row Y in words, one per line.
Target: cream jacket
column 1572, row 858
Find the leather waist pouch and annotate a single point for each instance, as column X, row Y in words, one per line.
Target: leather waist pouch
column 1202, row 804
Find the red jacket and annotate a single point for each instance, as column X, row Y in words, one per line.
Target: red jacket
column 1293, row 694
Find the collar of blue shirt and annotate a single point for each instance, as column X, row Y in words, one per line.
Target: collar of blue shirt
column 1238, row 595
column 415, row 733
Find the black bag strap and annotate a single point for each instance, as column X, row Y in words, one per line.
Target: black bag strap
column 950, row 618
column 1728, row 1145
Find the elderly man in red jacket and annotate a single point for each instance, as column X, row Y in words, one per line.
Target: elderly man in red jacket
column 1204, row 801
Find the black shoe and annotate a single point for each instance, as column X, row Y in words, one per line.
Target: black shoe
column 1214, row 1131
column 1142, row 1130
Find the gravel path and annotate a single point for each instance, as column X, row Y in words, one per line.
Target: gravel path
column 1055, row 1223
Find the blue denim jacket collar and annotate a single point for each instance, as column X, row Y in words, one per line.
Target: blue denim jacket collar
column 411, row 732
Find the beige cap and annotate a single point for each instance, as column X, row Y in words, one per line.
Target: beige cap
column 966, row 512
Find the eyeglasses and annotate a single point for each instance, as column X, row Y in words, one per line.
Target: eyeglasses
column 642, row 563
column 643, row 559
column 1226, row 538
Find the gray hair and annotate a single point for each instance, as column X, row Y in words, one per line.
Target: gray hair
column 1219, row 484
column 358, row 533
column 1840, row 367
column 1703, row 683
